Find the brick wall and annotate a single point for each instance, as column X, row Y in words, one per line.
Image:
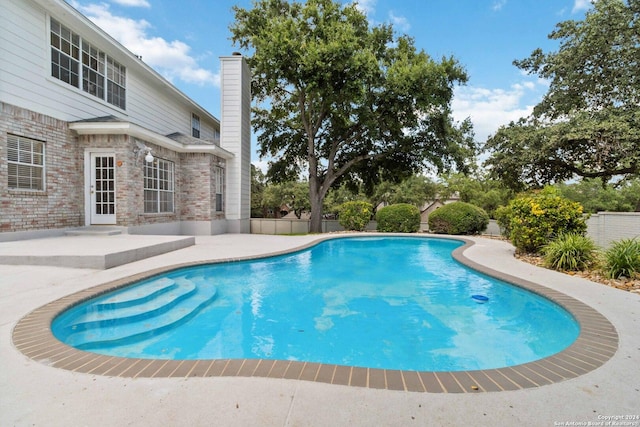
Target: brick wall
column 59, row 205
column 195, row 187
column 135, row 190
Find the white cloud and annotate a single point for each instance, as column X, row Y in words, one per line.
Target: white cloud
column 489, row 109
column 579, row 5
column 498, row 4
column 172, row 59
column 262, row 164
column 399, row 22
column 366, row 6
column 133, row 3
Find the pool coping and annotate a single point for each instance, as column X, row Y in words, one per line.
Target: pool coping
column 595, row 345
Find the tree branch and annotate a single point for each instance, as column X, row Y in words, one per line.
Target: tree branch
column 632, row 169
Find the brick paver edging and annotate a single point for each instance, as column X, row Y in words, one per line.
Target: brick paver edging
column 596, row 344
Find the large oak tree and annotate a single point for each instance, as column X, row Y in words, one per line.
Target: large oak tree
column 344, row 99
column 588, row 123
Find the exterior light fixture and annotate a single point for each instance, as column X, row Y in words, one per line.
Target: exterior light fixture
column 149, row 157
column 140, row 147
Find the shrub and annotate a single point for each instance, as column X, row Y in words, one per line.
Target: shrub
column 355, row 215
column 503, row 218
column 622, row 259
column 398, row 218
column 535, row 219
column 570, row 252
column 458, row 218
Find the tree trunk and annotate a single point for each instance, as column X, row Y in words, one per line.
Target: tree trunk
column 316, row 197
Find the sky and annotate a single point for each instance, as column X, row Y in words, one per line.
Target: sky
column 183, row 40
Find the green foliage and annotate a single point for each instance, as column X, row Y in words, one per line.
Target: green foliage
column 415, row 190
column 478, row 190
column 398, row 218
column 257, row 189
column 596, row 197
column 458, row 218
column 503, row 218
column 570, row 252
column 293, row 194
column 336, row 197
column 623, row 259
column 347, row 99
column 536, row 218
column 355, row 215
column 588, row 123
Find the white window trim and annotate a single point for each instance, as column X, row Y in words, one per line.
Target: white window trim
column 30, row 165
column 79, row 89
column 219, row 183
column 157, row 191
column 195, row 120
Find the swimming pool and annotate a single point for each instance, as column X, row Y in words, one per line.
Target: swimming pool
column 378, row 302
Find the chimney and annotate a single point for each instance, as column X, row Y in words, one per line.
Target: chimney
column 235, row 136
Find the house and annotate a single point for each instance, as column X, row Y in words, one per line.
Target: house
column 90, row 135
column 431, row 205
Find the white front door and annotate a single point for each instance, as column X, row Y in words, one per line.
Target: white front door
column 102, row 188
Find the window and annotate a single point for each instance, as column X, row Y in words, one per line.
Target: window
column 158, row 186
column 25, row 161
column 116, row 80
column 65, row 54
column 69, row 61
column 92, row 70
column 218, row 180
column 195, row 126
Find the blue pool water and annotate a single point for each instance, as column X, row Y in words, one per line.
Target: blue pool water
column 378, row 302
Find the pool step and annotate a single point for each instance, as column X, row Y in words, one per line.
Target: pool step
column 130, row 310
column 138, row 294
column 152, row 316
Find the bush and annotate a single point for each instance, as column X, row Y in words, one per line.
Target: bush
column 458, row 218
column 355, row 215
column 503, row 218
column 534, row 220
column 570, row 252
column 622, row 259
column 398, row 218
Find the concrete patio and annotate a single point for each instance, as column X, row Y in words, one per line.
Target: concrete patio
column 32, row 393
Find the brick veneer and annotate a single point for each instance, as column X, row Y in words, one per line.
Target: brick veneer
column 61, row 204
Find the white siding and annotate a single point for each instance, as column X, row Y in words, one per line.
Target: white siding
column 25, row 79
column 236, row 136
column 155, row 108
column 25, row 74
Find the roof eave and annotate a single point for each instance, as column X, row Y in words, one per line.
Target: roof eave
column 126, row 128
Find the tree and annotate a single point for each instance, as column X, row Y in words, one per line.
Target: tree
column 588, row 123
column 257, row 190
column 414, row 190
column 595, row 197
column 293, row 194
column 338, row 196
column 477, row 189
column 346, row 100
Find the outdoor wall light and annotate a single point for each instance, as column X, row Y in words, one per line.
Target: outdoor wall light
column 140, row 147
column 149, row 157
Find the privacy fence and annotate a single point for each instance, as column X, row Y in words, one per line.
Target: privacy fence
column 603, row 227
